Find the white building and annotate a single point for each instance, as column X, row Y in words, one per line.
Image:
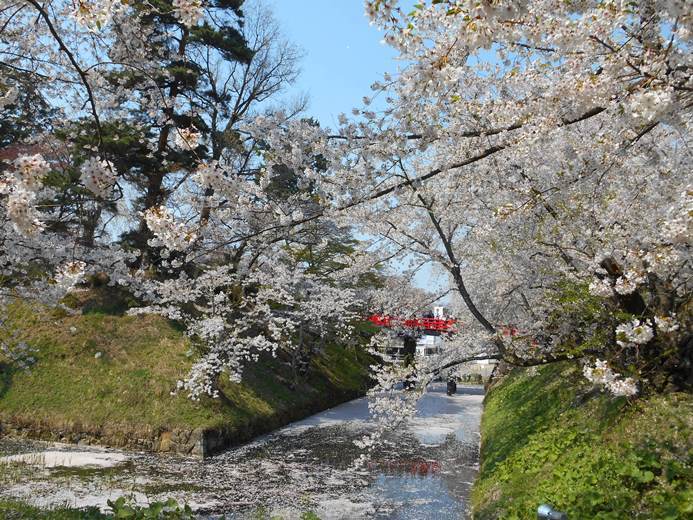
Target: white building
column 429, row 345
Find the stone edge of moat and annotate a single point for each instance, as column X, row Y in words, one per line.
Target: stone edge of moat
column 190, row 442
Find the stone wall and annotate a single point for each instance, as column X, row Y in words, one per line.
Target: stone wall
column 196, row 442
column 483, row 369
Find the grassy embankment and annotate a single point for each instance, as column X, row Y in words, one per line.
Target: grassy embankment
column 111, row 376
column 13, row 510
column 548, row 437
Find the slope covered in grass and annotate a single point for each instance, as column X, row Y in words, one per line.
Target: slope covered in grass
column 97, row 372
column 14, row 510
column 547, row 437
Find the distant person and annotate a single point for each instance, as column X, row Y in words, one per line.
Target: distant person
column 452, row 385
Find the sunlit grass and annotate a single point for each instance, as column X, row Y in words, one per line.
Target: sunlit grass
column 549, row 438
column 101, row 371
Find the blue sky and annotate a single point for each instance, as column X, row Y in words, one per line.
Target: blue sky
column 343, row 53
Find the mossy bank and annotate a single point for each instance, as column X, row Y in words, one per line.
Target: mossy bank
column 107, row 379
column 548, row 437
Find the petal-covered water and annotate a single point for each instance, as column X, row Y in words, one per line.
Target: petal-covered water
column 306, row 466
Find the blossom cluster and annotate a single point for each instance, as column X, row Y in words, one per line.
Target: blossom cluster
column 168, row 233
column 666, row 324
column 638, row 332
column 651, row 105
column 22, row 212
column 98, row 176
column 9, row 97
column 70, row 273
column 30, row 170
column 601, row 287
column 628, row 282
column 284, row 308
column 95, row 14
column 187, row 138
column 189, row 12
column 21, row 187
column 601, row 374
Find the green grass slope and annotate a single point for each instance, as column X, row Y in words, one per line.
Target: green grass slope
column 98, row 371
column 13, row 510
column 547, row 437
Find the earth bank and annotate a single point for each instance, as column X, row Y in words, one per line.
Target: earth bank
column 547, row 436
column 107, row 379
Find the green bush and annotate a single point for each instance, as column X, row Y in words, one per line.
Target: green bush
column 120, row 508
column 169, row 510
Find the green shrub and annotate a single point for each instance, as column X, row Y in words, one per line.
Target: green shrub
column 169, row 510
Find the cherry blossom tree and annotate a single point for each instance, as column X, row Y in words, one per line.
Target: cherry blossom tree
column 543, row 162
column 538, row 152
column 149, row 177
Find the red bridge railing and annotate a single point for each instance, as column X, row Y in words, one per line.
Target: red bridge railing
column 437, row 324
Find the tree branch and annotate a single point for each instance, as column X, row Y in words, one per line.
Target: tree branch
column 73, row 61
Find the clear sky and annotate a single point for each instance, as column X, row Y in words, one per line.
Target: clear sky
column 343, row 53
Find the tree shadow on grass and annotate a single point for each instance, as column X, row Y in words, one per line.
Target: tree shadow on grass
column 6, row 373
column 101, row 299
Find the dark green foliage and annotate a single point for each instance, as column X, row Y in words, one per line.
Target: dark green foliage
column 184, row 74
column 101, row 298
column 589, row 322
column 227, row 40
column 169, row 510
column 29, row 115
column 309, row 515
column 235, row 5
column 120, row 508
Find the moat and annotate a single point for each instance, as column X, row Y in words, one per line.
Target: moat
column 306, row 466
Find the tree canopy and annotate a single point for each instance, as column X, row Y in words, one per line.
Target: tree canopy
column 537, row 152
